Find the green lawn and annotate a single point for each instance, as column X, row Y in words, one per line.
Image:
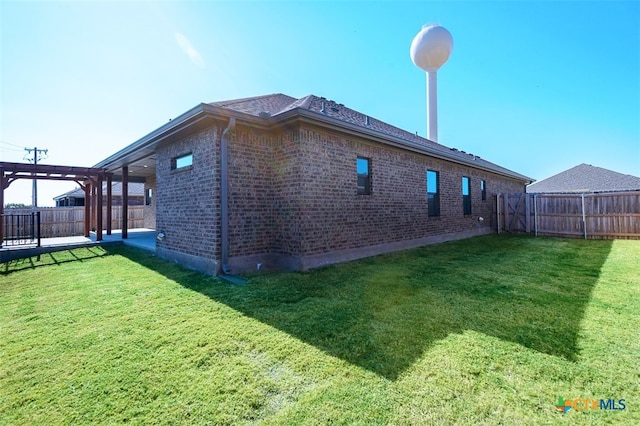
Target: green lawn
column 490, row 330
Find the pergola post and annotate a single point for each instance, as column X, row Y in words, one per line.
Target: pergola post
column 94, row 190
column 109, row 203
column 125, row 202
column 99, row 209
column 87, row 209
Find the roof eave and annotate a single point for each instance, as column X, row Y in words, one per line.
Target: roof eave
column 313, row 117
column 146, row 145
column 148, row 141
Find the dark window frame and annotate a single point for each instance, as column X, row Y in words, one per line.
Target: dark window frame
column 483, row 189
column 148, row 196
column 433, row 198
column 365, row 188
column 176, row 162
column 466, row 198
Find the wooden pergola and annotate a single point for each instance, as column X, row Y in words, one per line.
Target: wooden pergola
column 89, row 179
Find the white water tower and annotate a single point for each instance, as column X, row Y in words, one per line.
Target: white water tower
column 430, row 49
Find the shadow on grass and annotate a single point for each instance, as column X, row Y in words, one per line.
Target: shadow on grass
column 51, row 258
column 382, row 313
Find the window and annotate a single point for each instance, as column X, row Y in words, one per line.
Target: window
column 466, row 195
column 148, row 195
column 483, row 189
column 363, row 166
column 433, row 193
column 182, row 161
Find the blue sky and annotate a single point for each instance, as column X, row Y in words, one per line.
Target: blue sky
column 537, row 87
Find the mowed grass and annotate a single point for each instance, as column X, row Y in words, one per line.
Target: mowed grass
column 490, row 330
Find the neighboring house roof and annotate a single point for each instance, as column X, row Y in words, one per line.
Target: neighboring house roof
column 270, row 111
column 135, row 189
column 586, row 178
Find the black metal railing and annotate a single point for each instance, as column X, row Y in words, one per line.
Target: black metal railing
column 20, row 229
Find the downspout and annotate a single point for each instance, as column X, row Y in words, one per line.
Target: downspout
column 224, row 195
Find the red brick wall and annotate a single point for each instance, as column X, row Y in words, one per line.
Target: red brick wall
column 334, row 217
column 294, row 193
column 188, row 200
column 251, row 226
column 287, row 193
column 264, row 192
column 150, row 209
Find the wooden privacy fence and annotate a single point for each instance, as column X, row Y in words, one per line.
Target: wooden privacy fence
column 69, row 221
column 597, row 215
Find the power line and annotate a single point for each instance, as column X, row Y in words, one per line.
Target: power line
column 10, row 149
column 11, row 144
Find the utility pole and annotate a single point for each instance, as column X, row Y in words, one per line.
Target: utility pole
column 38, row 154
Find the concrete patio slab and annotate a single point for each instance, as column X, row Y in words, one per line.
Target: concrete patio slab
column 141, row 238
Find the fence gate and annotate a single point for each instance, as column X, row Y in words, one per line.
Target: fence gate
column 516, row 212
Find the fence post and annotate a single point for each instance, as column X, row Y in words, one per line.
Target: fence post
column 527, row 214
column 498, row 211
column 535, row 214
column 584, row 220
column 38, row 223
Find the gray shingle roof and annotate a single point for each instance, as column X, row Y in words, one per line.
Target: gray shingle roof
column 135, row 189
column 278, row 103
column 586, row 178
column 271, row 104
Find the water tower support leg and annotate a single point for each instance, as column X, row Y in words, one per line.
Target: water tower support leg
column 432, row 106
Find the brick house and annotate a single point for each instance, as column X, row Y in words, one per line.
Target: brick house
column 309, row 182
